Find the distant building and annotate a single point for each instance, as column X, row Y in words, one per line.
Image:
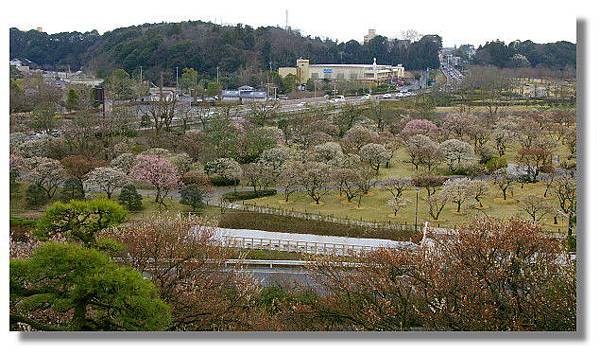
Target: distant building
column 243, row 94
column 370, row 35
column 369, row 73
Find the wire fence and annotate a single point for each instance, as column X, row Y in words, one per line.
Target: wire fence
column 317, row 216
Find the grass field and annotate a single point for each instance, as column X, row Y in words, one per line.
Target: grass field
column 374, row 207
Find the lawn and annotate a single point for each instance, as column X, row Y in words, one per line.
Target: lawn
column 374, row 207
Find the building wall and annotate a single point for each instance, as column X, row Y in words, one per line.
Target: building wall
column 369, row 73
column 285, row 71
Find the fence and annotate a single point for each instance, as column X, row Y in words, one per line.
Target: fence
column 316, row 216
column 299, row 246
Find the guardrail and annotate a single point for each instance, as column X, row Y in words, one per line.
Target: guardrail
column 299, row 246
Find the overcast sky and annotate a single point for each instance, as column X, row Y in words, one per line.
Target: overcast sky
column 457, row 21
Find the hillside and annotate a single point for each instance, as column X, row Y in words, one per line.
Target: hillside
column 244, row 52
column 204, row 46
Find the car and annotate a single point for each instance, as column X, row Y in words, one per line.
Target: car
column 387, row 96
column 366, row 97
column 301, row 104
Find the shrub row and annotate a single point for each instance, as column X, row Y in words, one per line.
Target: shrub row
column 275, row 223
column 220, row 181
column 21, row 226
column 247, row 195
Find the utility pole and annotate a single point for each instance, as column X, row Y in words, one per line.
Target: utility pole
column 176, row 79
column 417, row 208
column 217, row 74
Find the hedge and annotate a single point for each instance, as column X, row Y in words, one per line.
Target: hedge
column 247, row 195
column 220, row 181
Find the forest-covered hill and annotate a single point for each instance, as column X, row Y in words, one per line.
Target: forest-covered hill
column 242, row 50
column 204, row 46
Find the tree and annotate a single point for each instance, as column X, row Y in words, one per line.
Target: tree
column 130, row 198
column 374, row 154
column 436, row 203
column 65, row 286
column 396, row 203
column 327, row 151
column 124, row 162
column 289, row 178
column 262, row 113
column 457, row 191
column 396, row 186
column 213, row 88
column 119, row 85
column 534, row 159
column 193, row 195
column 80, row 220
column 273, row 161
column 45, row 172
column 43, row 115
column 548, row 180
column 536, row 207
column 458, row 124
column 78, row 166
column 314, row 179
column 35, row 195
column 255, row 174
column 72, row 102
column 157, row 171
column 107, row 179
column 503, row 179
column 347, row 117
column 188, row 267
column 503, row 133
column 226, row 169
column 530, row 285
column 479, row 188
column 420, row 126
column 189, row 79
column 422, row 150
column 72, row 190
column 347, row 181
column 162, row 110
column 429, row 182
column 456, row 153
column 565, row 190
column 357, row 137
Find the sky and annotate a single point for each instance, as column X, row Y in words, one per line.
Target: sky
column 457, row 21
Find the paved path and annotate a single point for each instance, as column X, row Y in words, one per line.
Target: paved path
column 298, row 242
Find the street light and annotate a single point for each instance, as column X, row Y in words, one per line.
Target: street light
column 417, row 208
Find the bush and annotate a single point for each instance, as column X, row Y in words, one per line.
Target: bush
column 35, row 196
column 195, row 177
column 221, row 181
column 470, row 169
column 80, row 220
column 130, row 198
column 495, row 163
column 248, row 195
column 21, row 226
column 72, row 190
column 193, row 196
